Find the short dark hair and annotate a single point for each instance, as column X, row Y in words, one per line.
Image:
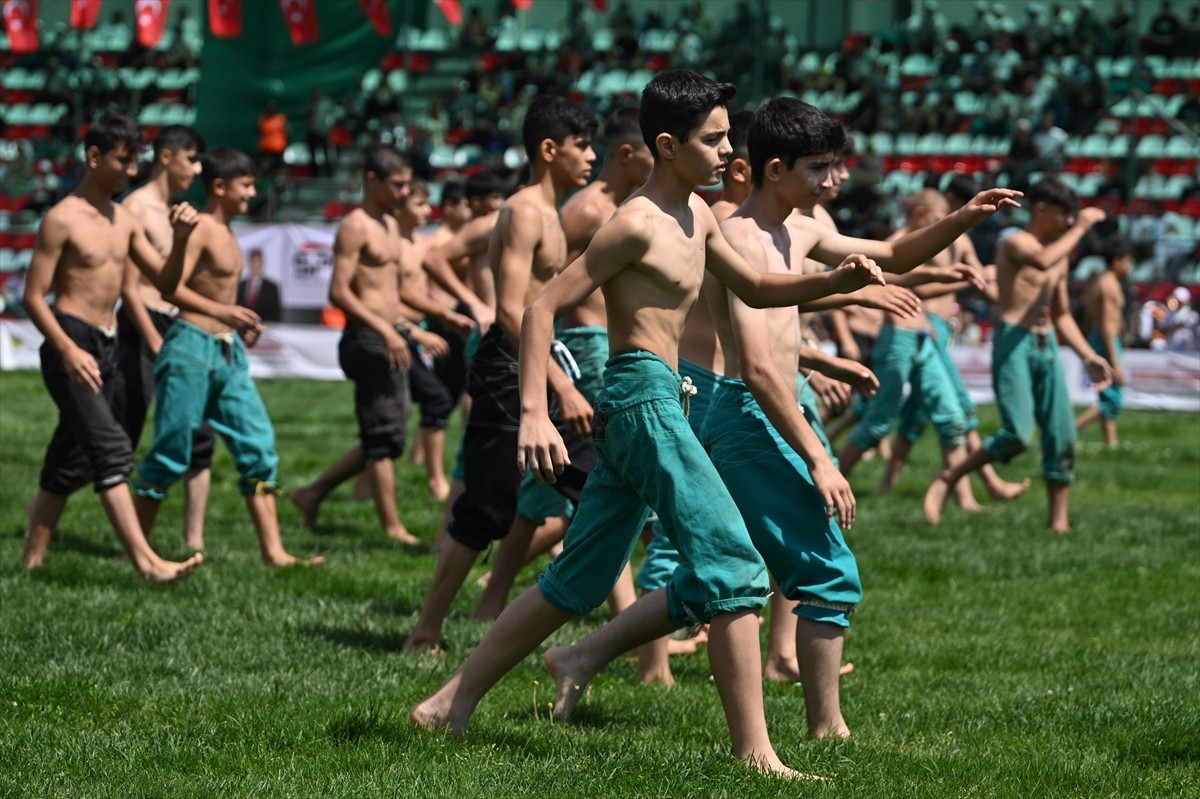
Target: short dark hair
column 225, row 163
column 553, row 117
column 417, row 186
column 452, row 193
column 739, row 131
column 256, row 253
column 1115, row 248
column 961, row 187
column 622, row 126
column 677, row 102
column 384, row 160
column 177, row 138
column 483, row 184
column 113, row 129
column 1052, row 191
column 788, row 129
column 849, row 149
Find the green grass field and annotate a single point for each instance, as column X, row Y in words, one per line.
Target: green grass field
column 994, row 659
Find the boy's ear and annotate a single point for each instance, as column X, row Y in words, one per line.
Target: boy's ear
column 666, row 144
column 92, row 155
column 547, row 150
column 164, row 157
column 773, row 170
column 739, row 170
column 218, row 187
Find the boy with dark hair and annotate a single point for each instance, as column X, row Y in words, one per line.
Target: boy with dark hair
column 81, row 253
column 203, row 373
column 528, row 248
column 1027, row 376
column 144, row 316
column 1104, row 305
column 649, row 260
column 374, row 351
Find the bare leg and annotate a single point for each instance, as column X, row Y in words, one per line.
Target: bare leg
column 997, row 487
column 433, row 442
column 820, row 648
column 454, row 563
column 416, row 453
column 457, row 486
column 43, row 512
column 309, row 498
column 510, row 557
column 523, row 625
column 781, row 665
column 1059, row 495
column 654, row 662
column 895, row 464
column 362, row 489
column 1087, row 417
column 623, row 594
column 1110, row 432
column 884, row 447
column 270, row 542
column 381, row 475
column 848, row 457
column 545, row 537
column 196, row 486
column 118, row 504
column 964, row 496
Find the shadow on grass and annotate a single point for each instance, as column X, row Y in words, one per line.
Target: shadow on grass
column 84, row 546
column 1168, row 747
column 364, row 640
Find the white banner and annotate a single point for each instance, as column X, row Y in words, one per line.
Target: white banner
column 298, row 258
column 1164, row 381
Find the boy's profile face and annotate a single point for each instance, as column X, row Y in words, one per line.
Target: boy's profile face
column 237, row 194
column 182, row 168
column 487, row 204
column 1052, row 219
column 114, row 169
column 701, row 160
column 573, row 160
column 414, row 210
column 807, row 181
column 840, row 175
column 1122, row 264
column 389, row 192
column 458, row 213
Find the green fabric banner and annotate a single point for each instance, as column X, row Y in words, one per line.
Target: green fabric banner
column 240, row 75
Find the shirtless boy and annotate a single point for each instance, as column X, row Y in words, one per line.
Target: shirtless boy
column 374, row 351
column 145, row 316
column 583, row 333
column 1027, row 376
column 649, row 260
column 1105, row 308
column 81, row 252
column 528, row 248
column 203, row 372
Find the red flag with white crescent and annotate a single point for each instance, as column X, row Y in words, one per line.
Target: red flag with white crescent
column 85, row 14
column 377, row 13
column 20, row 22
column 301, row 19
column 151, row 18
column 451, row 10
column 225, row 18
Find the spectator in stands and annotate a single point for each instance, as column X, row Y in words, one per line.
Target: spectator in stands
column 1181, row 323
column 924, row 29
column 322, row 116
column 1165, row 29
column 475, row 34
column 1121, row 35
column 982, row 26
column 1022, row 155
column 1190, row 35
column 272, row 136
column 1049, row 141
column 1089, row 28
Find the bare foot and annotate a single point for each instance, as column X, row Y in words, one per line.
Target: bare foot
column 418, row 641
column 569, row 681
column 284, row 560
column 432, row 714
column 657, row 675
column 838, row 731
column 439, row 490
column 1061, row 529
column 195, row 543
column 304, row 499
column 403, row 536
column 166, row 571
column 935, row 499
column 772, row 766
column 845, row 669
column 782, row 670
column 971, row 506
column 482, row 582
column 688, row 646
column 1003, row 491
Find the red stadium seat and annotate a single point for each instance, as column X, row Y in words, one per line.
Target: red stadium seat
column 1190, row 207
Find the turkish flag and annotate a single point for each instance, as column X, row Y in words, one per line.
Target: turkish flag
column 225, row 18
column 20, row 21
column 85, row 14
column 600, row 5
column 522, row 5
column 377, row 13
column 151, row 17
column 301, row 19
column 451, row 10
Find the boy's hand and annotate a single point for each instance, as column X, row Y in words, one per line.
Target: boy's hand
column 1088, row 217
column 540, row 449
column 974, row 274
column 576, row 412
column 1118, row 375
column 986, row 203
column 854, row 273
column 857, row 376
column 434, row 344
column 251, row 335
column 399, row 355
column 239, row 318
column 459, row 324
column 834, row 394
column 82, row 369
column 835, row 492
column 183, row 220
column 893, row 299
column 484, row 316
column 1100, row 373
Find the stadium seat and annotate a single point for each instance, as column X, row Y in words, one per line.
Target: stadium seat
column 637, row 81
column 532, row 40
column 612, row 82
column 507, row 41
column 297, row 154
column 882, row 143
column 917, row 64
column 1179, row 146
column 435, row 40
column 6, row 260
column 957, row 144
column 602, row 40
column 931, row 144
column 1088, row 266
column 514, row 157
column 467, row 154
column 1151, row 146
column 397, row 80
column 442, row 156
column 371, row 80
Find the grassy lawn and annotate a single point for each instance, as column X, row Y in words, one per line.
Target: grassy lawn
column 994, row 659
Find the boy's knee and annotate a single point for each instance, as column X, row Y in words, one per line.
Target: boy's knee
column 261, row 476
